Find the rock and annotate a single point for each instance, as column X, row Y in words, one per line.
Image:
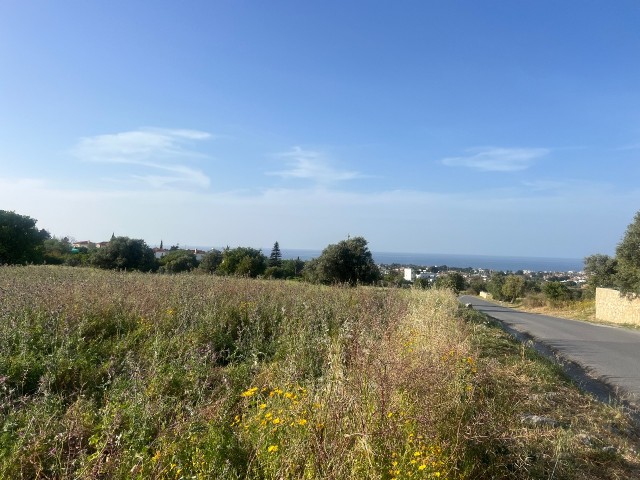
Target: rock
column 585, row 439
column 538, row 420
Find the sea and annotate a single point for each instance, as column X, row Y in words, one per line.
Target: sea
column 488, row 262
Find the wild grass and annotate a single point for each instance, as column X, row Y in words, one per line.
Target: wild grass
column 121, row 375
column 584, row 309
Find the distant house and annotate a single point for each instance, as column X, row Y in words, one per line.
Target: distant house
column 160, row 252
column 199, row 253
column 427, row 276
column 101, row 244
column 83, row 244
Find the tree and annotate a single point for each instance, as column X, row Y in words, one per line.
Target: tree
column 20, row 241
column 178, row 261
column 556, row 291
column 275, row 259
column 602, row 271
column 495, row 283
column 513, row 287
column 57, row 250
column 124, row 253
column 349, row 261
column 628, row 258
column 211, row 261
column 394, row 277
column 292, row 268
column 477, row 285
column 243, row 261
column 452, row 281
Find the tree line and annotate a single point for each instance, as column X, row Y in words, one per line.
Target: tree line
column 21, row 242
column 348, row 262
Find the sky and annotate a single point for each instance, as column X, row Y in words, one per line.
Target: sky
column 463, row 127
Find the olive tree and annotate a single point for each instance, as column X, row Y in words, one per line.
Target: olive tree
column 124, row 253
column 452, row 281
column 628, row 260
column 177, row 261
column 210, row 261
column 348, row 261
column 601, row 271
column 513, row 287
column 242, row 261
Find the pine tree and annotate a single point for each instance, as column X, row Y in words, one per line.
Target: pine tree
column 275, row 259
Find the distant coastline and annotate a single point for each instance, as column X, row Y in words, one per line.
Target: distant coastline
column 489, row 262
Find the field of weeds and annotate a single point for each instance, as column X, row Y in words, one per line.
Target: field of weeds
column 124, row 375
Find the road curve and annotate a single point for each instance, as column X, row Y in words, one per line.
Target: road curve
column 611, row 355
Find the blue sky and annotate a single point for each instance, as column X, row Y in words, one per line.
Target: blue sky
column 467, row 127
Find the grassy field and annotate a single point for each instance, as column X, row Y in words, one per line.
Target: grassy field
column 124, row 375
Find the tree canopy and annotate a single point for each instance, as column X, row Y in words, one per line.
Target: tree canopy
column 602, row 271
column 628, row 258
column 211, row 261
column 349, row 261
column 452, row 281
column 513, row 287
column 20, row 240
column 124, row 253
column 623, row 270
column 177, row 261
column 242, row 261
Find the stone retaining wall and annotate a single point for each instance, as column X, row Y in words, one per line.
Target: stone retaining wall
column 611, row 307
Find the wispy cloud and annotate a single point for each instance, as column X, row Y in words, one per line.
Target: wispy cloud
column 571, row 215
column 494, row 159
column 312, row 165
column 156, row 150
column 545, row 185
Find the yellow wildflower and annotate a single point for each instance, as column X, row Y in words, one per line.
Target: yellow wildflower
column 272, row 448
column 249, row 393
column 422, row 467
column 302, row 422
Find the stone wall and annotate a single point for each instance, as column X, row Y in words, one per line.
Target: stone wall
column 611, row 307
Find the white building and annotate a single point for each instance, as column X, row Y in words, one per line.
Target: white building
column 409, row 274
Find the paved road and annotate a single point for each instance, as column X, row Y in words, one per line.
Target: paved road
column 609, row 354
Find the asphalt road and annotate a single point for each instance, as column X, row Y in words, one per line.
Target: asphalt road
column 610, row 355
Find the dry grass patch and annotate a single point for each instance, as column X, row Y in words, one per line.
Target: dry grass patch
column 576, row 310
